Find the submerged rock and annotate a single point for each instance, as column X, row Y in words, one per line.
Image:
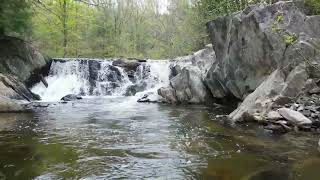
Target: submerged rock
column 71, row 97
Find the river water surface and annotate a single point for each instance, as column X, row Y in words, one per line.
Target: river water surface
column 117, row 138
column 110, row 136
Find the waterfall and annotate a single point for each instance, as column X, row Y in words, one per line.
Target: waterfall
column 117, row 77
column 100, row 78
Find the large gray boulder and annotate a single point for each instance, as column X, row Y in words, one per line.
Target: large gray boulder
column 202, row 59
column 20, row 59
column 260, row 101
column 294, row 117
column 10, row 106
column 186, row 87
column 277, row 89
column 187, row 78
column 250, row 45
column 14, row 89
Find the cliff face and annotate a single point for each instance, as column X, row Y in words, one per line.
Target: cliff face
column 250, row 45
column 21, row 66
column 265, row 54
column 20, row 59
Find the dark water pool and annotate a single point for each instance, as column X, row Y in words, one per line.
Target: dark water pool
column 116, row 138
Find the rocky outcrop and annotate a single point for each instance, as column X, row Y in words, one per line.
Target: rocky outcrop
column 8, row 106
column 265, row 54
column 20, row 59
column 128, row 65
column 251, row 44
column 186, row 87
column 21, row 66
column 187, row 78
column 277, row 89
column 12, row 88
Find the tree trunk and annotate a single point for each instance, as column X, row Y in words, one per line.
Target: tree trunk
column 2, row 34
column 65, row 30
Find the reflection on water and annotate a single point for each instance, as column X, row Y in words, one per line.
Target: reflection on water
column 116, row 138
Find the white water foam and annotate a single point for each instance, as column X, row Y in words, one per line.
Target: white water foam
column 73, row 77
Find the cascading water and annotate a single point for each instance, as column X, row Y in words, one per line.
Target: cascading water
column 100, row 78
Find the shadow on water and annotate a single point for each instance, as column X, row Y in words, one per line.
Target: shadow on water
column 118, row 139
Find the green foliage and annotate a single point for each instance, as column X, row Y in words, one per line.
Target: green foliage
column 280, row 18
column 211, row 9
column 314, row 5
column 290, row 39
column 15, row 17
column 121, row 29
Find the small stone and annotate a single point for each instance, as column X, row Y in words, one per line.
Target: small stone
column 306, row 113
column 294, row 106
column 258, row 118
column 314, row 115
column 305, row 128
column 282, row 122
column 274, row 115
column 316, row 123
column 301, row 108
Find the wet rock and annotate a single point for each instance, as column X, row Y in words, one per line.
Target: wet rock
column 174, row 71
column 316, row 123
column 276, row 89
column 144, row 99
column 15, row 89
column 260, row 101
column 133, row 89
column 148, row 98
column 275, row 128
column 71, row 97
column 128, row 65
column 188, row 87
column 21, row 60
column 294, row 117
column 10, row 106
column 274, row 174
column 114, row 74
column 169, row 94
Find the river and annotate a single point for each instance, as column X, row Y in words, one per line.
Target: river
column 114, row 137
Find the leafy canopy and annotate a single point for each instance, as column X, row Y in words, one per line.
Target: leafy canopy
column 15, row 16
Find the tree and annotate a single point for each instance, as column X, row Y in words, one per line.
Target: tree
column 314, row 6
column 15, row 16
